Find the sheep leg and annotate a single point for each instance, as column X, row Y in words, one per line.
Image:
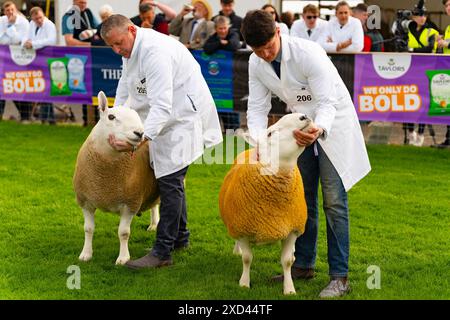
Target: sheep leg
column 89, row 227
column 237, row 250
column 287, row 260
column 124, row 235
column 154, row 218
column 247, row 258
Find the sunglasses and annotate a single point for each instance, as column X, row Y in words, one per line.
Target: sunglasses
column 311, row 17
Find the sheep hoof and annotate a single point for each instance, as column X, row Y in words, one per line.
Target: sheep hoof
column 122, row 260
column 289, row 292
column 152, row 227
column 244, row 284
column 85, row 256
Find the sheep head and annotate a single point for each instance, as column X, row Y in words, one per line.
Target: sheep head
column 276, row 146
column 122, row 122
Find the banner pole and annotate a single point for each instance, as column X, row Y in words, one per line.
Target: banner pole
column 47, row 8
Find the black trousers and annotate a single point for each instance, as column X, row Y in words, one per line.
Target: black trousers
column 25, row 109
column 172, row 227
column 410, row 127
column 2, row 108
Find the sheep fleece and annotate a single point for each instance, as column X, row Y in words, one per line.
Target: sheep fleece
column 262, row 208
column 108, row 184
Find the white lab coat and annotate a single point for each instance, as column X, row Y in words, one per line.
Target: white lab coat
column 45, row 36
column 310, row 84
column 166, row 88
column 283, row 28
column 351, row 30
column 300, row 30
column 13, row 34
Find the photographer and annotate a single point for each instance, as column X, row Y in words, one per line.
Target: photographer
column 422, row 35
column 422, row 38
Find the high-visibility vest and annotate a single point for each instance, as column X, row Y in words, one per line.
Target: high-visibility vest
column 424, row 36
column 447, row 38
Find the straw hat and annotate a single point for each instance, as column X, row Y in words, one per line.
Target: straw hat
column 207, row 6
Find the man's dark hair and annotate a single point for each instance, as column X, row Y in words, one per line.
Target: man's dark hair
column 258, row 28
column 444, row 2
column 226, row 1
column 361, row 7
column 145, row 7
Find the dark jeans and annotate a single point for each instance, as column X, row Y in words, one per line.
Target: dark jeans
column 172, row 227
column 231, row 120
column 410, row 127
column 335, row 205
column 25, row 108
column 46, row 112
column 2, row 108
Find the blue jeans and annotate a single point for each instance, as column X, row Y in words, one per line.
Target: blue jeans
column 335, row 204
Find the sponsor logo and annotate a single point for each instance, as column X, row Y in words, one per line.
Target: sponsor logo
column 390, row 66
column 213, row 68
column 22, row 56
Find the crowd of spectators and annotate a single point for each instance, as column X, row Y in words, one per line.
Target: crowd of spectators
column 197, row 27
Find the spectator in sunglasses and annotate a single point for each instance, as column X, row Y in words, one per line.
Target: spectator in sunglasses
column 310, row 27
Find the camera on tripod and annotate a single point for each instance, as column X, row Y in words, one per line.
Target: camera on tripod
column 400, row 26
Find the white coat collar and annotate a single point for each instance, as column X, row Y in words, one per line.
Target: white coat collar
column 137, row 43
column 286, row 53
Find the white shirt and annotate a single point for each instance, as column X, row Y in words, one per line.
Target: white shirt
column 13, row 34
column 45, row 35
column 310, row 84
column 300, row 30
column 283, row 28
column 163, row 82
column 352, row 30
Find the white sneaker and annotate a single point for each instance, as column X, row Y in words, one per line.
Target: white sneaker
column 419, row 140
column 412, row 138
column 336, row 288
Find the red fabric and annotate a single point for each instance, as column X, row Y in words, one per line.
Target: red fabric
column 162, row 27
column 367, row 43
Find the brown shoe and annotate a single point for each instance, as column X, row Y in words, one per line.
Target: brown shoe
column 297, row 273
column 148, row 261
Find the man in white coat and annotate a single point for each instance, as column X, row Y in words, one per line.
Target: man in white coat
column 310, row 27
column 300, row 73
column 42, row 33
column 343, row 33
column 163, row 82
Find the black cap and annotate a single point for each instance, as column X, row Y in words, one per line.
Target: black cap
column 419, row 9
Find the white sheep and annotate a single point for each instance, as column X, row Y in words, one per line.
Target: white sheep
column 262, row 198
column 114, row 181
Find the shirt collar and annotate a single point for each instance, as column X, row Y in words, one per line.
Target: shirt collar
column 137, row 43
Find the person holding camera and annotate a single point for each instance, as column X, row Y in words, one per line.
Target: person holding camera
column 422, row 38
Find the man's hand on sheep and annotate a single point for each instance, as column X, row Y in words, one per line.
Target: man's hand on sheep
column 119, row 145
column 305, row 139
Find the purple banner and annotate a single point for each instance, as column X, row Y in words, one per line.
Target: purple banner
column 401, row 87
column 52, row 74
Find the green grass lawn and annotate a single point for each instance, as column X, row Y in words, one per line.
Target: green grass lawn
column 399, row 221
